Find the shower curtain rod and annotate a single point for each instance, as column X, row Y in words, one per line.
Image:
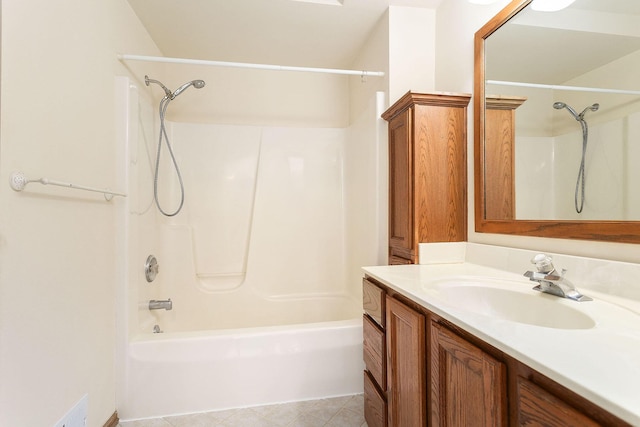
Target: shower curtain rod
column 561, row 87
column 128, row 57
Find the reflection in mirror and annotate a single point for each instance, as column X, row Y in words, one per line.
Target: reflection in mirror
column 558, row 135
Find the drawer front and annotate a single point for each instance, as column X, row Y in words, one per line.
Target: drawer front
column 373, row 301
column 374, row 351
column 375, row 406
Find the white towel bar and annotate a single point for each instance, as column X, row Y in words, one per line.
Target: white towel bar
column 18, row 181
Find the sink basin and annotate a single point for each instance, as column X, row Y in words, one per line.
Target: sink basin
column 519, row 304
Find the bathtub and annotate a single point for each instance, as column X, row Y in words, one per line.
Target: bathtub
column 188, row 372
column 260, row 267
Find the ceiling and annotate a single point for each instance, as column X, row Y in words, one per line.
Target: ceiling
column 627, row 7
column 553, row 48
column 283, row 32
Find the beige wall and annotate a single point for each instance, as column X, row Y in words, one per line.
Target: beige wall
column 258, row 97
column 57, row 246
column 411, row 51
column 457, row 22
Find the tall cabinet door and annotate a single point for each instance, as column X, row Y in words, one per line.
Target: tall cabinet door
column 406, row 366
column 499, row 156
column 468, row 386
column 401, row 228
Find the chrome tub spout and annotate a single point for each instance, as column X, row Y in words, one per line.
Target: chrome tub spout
column 160, row 304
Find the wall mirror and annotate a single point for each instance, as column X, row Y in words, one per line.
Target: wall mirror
column 557, row 121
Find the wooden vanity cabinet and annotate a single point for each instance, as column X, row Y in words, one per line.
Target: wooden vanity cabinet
column 422, row 370
column 427, row 172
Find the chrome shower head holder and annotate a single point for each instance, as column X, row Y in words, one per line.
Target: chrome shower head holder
column 198, row 84
column 167, row 92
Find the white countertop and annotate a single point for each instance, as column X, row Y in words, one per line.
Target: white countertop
column 601, row 363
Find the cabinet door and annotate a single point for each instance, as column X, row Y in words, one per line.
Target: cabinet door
column 439, row 153
column 468, row 386
column 499, row 161
column 401, row 239
column 406, row 366
column 537, row 407
column 499, row 156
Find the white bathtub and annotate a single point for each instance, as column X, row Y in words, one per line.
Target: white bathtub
column 187, row 372
column 260, row 266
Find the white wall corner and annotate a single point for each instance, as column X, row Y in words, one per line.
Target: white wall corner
column 412, row 49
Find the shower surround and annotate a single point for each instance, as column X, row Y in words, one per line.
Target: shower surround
column 258, row 264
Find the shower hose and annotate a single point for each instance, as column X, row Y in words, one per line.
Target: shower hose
column 579, row 193
column 164, row 103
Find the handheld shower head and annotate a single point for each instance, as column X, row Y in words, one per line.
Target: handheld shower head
column 578, row 117
column 147, row 80
column 561, row 105
column 593, row 107
column 198, row 84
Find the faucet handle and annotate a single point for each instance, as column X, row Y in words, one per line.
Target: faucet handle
column 543, row 263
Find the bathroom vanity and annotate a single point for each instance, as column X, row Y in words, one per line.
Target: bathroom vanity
column 464, row 344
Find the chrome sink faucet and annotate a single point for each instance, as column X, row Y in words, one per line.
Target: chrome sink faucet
column 549, row 281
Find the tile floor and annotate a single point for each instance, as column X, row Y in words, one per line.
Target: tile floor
column 344, row 411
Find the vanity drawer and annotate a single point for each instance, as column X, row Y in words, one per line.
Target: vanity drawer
column 373, row 301
column 374, row 352
column 375, row 406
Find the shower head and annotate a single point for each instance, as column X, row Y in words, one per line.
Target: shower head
column 593, row 107
column 561, row 105
column 147, row 80
column 578, row 117
column 198, row 84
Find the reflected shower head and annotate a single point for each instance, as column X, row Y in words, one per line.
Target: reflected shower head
column 578, row 117
column 561, row 105
column 147, row 80
column 198, row 84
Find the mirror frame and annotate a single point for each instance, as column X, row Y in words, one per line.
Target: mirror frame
column 612, row 231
